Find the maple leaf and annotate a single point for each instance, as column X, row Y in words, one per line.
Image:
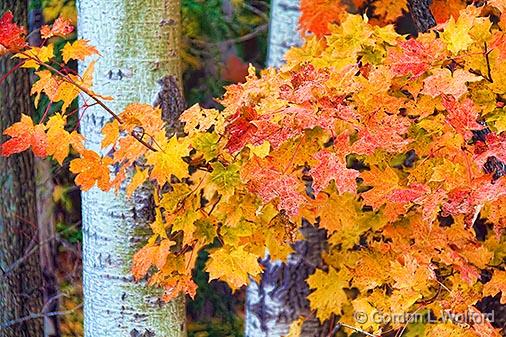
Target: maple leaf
column 233, row 265
column 414, row 57
column 496, row 284
column 111, row 133
column 384, row 182
column 443, row 82
column 226, row 179
column 12, row 36
column 25, row 135
column 78, row 50
column 385, row 132
column 390, row 10
column 270, row 184
column 328, row 296
column 177, row 285
column 462, row 116
column 234, row 70
column 295, row 328
column 61, row 27
column 150, row 255
column 330, row 167
column 59, row 140
column 495, row 146
column 456, row 33
column 91, row 169
column 34, row 55
column 444, row 9
column 168, row 160
column 316, row 15
column 47, row 84
column 198, row 119
column 139, row 177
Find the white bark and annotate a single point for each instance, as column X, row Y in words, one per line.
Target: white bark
column 138, row 41
column 280, row 297
column 283, row 30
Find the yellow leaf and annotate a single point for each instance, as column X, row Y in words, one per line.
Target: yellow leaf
column 111, row 133
column 138, row 178
column 328, row 296
column 168, row 160
column 36, row 55
column 295, row 328
column 78, row 50
column 233, row 265
column 456, row 34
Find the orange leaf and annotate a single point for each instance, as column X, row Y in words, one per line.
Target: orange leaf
column 91, row 169
column 78, row 50
column 316, row 15
column 61, row 27
column 59, row 140
column 25, row 135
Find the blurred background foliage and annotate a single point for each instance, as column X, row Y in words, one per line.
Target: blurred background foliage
column 220, row 39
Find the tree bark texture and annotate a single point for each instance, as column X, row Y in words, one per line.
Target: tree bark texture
column 20, row 273
column 421, row 14
column 283, row 30
column 139, row 43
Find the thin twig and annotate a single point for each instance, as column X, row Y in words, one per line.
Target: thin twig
column 38, row 315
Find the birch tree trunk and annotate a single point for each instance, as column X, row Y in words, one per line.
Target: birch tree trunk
column 283, row 30
column 139, row 42
column 20, row 273
column 280, row 297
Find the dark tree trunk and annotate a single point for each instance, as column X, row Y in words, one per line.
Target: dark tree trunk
column 421, row 14
column 20, row 274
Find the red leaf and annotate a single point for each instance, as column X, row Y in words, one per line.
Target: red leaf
column 414, row 58
column 25, row 135
column 12, row 36
column 330, row 167
column 234, row 70
column 462, row 116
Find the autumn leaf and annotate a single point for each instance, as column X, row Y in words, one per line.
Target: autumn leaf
column 61, row 27
column 316, row 15
column 24, row 135
column 456, row 33
column 234, row 70
column 390, row 10
column 330, row 167
column 462, row 116
column 233, row 265
column 414, row 57
column 443, row 82
column 496, row 284
column 168, row 160
column 12, row 36
column 91, row 169
column 47, row 84
column 111, row 133
column 36, row 55
column 295, row 328
column 139, row 177
column 328, row 296
column 78, row 50
column 59, row 140
column 150, row 255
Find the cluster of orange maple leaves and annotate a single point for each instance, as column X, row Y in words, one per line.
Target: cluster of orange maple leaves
column 383, row 141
